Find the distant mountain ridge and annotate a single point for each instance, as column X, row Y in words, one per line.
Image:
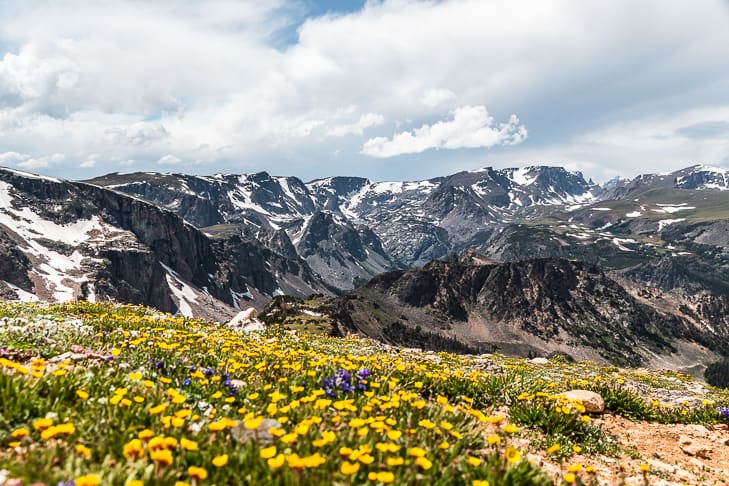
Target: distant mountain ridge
column 438, row 216
column 348, row 229
column 64, row 240
column 563, row 260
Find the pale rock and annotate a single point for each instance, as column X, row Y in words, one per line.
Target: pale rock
column 246, row 320
column 697, row 430
column 670, row 469
column 535, row 459
column 242, row 318
column 539, row 361
column 700, row 465
column 693, row 447
column 261, row 435
column 592, row 401
column 640, row 481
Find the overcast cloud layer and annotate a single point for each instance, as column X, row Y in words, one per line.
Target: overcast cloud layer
column 394, row 90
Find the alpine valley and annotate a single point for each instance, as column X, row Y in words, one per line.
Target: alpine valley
column 527, row 261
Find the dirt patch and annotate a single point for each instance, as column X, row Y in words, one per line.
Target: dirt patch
column 675, row 455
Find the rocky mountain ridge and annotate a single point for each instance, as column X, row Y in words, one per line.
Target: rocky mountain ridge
column 68, row 240
column 348, row 229
column 401, row 224
column 529, row 308
column 570, row 263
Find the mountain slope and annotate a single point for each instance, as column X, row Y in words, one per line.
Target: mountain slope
column 528, row 307
column 410, row 223
column 67, row 240
column 258, row 205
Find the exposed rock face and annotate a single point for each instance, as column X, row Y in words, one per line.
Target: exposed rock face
column 400, row 224
column 342, row 254
column 534, row 306
column 508, row 214
column 254, row 273
column 678, row 274
column 64, row 240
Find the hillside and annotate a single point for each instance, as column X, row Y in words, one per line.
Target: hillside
column 64, row 240
column 96, row 394
column 527, row 308
column 349, row 229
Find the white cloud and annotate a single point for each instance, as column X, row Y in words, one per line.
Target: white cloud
column 434, row 97
column 28, row 162
column 169, row 159
column 41, row 162
column 140, row 133
column 210, row 82
column 642, row 145
column 11, row 158
column 471, row 127
column 90, row 161
column 357, row 128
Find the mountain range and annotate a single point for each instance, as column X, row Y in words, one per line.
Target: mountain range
column 657, row 245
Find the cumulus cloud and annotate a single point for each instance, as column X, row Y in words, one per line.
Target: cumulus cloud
column 357, row 128
column 169, row 159
column 139, row 133
column 645, row 144
column 37, row 78
column 40, row 162
column 230, row 85
column 12, row 158
column 90, row 161
column 434, row 97
column 470, row 127
column 29, row 162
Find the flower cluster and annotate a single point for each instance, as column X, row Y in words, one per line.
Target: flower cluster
column 124, row 395
column 342, row 382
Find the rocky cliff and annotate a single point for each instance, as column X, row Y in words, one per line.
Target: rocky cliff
column 530, row 307
column 65, row 240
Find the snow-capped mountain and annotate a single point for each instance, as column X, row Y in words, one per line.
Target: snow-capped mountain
column 410, row 223
column 703, row 177
column 696, row 177
column 179, row 241
column 63, row 240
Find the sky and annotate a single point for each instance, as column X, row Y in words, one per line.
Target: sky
column 389, row 90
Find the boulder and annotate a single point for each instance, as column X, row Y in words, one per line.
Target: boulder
column 242, row 318
column 693, row 447
column 592, row 401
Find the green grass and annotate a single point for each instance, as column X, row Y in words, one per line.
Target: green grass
column 285, row 408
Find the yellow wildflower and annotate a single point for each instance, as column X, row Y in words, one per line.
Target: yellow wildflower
column 19, row 433
column 162, row 456
column 512, row 455
column 268, row 452
column 88, row 480
column 220, row 461
column 276, row 462
column 82, row 451
column 133, row 449
column 349, row 468
column 197, row 473
column 188, row 445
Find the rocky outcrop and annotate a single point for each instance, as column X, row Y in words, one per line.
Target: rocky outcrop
column 65, row 240
column 528, row 307
column 344, row 255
